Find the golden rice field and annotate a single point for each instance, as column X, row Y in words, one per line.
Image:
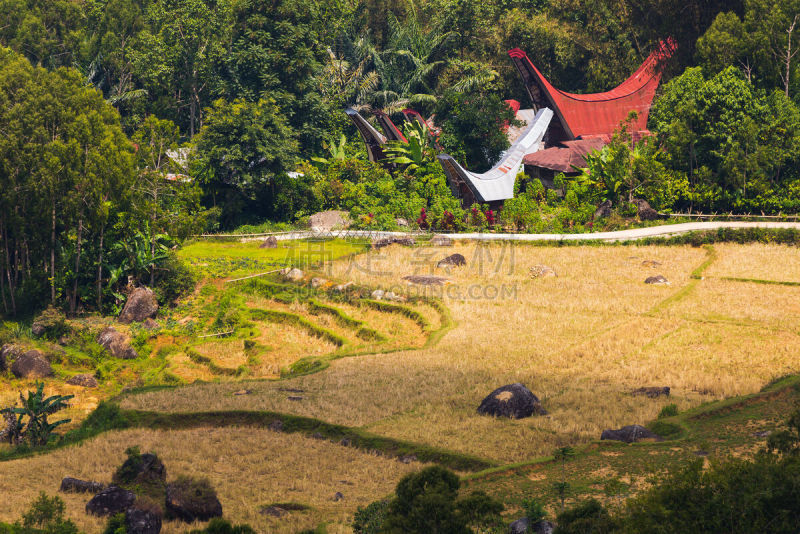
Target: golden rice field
column 250, row 469
column 581, row 342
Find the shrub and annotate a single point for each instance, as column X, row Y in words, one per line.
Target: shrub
column 51, row 324
column 369, row 520
column 47, row 515
column 586, row 518
column 428, row 501
column 222, row 526
column 534, row 510
column 177, row 279
column 670, row 410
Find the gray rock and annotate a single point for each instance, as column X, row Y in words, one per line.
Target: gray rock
column 8, row 353
column 270, row 242
column 318, row 282
column 142, row 521
column 31, row 364
column 656, row 280
column 645, row 212
column 292, row 274
column 338, row 496
column 425, row 280
column 603, row 210
column 84, row 380
column 377, row 294
column 441, row 241
column 454, row 260
column 386, row 241
column 150, row 324
column 629, row 434
column 652, row 392
column 325, row 221
column 401, row 222
column 141, row 304
column 520, row 526
column 513, row 400
column 110, row 501
column 74, row 485
column 542, row 271
column 342, row 288
column 116, row 343
column 189, row 504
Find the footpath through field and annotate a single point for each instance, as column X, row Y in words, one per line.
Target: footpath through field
column 665, row 230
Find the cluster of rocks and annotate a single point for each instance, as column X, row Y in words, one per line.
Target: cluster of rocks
column 643, row 210
column 137, row 490
column 380, row 294
column 395, row 240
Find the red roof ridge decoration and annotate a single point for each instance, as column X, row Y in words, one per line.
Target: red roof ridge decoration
column 597, row 113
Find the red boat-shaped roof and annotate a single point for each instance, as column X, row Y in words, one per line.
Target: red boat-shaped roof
column 598, row 113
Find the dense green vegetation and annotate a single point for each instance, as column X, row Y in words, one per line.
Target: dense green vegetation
column 104, row 98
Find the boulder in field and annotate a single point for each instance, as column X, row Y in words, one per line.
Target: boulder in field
column 542, row 271
column 652, row 391
column 110, row 501
column 651, row 263
column 143, row 520
column 192, row 499
column 140, row 469
column 74, row 485
column 657, row 280
column 270, row 242
column 116, row 343
column 141, row 304
column 83, row 380
column 325, row 221
column 514, row 401
column 453, row 260
column 342, row 288
column 150, row 324
column 293, row 274
column 406, row 241
column 629, row 434
column 31, row 364
column 425, row 280
column 441, row 241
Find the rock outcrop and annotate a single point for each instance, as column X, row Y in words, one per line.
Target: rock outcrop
column 141, row 304
column 629, row 434
column 74, row 485
column 116, row 343
column 83, row 380
column 110, row 501
column 270, row 242
column 31, row 364
column 192, row 500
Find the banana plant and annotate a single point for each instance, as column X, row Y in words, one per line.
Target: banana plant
column 36, row 408
column 336, row 151
column 413, row 154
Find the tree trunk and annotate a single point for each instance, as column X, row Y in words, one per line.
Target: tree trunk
column 100, row 271
column 73, row 304
column 53, row 255
column 8, row 273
